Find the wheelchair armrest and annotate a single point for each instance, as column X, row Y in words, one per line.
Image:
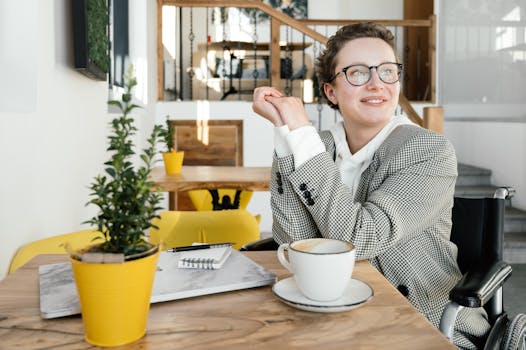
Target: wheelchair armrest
column 259, row 245
column 479, row 284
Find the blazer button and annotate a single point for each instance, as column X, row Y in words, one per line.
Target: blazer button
column 278, row 174
column 310, row 201
column 306, row 194
column 303, row 187
column 280, row 183
column 280, row 190
column 403, row 290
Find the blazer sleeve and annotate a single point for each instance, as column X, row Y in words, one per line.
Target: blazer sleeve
column 409, row 184
column 291, row 219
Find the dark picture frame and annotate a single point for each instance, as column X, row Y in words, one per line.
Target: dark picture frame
column 120, row 41
column 90, row 38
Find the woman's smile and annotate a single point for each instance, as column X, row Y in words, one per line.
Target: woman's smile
column 374, row 100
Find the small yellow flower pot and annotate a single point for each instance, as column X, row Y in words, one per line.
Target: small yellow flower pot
column 115, row 299
column 173, row 161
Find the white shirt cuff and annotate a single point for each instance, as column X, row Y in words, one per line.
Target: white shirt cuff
column 305, row 143
column 280, row 142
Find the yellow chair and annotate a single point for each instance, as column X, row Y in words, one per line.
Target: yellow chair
column 179, row 228
column 202, row 199
column 51, row 245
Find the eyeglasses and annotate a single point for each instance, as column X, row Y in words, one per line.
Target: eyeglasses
column 360, row 74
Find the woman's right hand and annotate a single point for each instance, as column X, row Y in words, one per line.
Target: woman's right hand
column 264, row 108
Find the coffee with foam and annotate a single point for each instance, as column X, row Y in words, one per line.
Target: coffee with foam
column 322, row 267
column 322, row 246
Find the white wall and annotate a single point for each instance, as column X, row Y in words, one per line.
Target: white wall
column 51, row 150
column 20, row 94
column 356, row 9
column 49, row 154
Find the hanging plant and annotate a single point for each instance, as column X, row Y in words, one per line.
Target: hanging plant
column 97, row 23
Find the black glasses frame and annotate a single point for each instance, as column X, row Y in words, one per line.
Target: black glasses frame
column 344, row 71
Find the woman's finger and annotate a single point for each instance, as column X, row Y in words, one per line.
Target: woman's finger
column 291, row 111
column 264, row 108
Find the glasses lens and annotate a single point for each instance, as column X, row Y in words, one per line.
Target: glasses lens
column 388, row 72
column 358, row 74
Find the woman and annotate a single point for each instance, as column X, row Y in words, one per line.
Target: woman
column 375, row 179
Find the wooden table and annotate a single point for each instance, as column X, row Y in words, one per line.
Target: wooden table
column 251, row 318
column 200, row 177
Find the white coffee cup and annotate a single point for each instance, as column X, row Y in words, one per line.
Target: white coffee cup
column 322, row 267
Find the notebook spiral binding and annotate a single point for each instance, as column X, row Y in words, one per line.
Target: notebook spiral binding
column 199, row 263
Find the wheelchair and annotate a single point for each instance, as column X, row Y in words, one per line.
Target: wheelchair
column 478, row 230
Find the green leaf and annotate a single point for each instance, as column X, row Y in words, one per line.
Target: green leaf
column 130, row 108
column 115, row 103
column 126, row 97
column 111, row 171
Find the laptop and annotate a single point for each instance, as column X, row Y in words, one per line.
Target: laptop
column 58, row 293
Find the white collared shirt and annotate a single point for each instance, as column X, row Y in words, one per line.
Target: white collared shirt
column 305, row 143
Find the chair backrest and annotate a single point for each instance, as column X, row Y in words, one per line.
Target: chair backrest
column 52, row 245
column 180, row 228
column 210, row 142
column 202, row 199
column 478, row 228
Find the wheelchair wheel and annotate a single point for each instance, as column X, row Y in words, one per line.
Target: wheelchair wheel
column 515, row 335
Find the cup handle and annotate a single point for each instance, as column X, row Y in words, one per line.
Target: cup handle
column 281, row 256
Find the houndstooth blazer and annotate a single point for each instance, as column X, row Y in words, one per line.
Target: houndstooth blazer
column 399, row 218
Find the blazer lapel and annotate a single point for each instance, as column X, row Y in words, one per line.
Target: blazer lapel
column 365, row 180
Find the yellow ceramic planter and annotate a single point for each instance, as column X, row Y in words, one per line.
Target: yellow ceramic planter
column 173, row 161
column 115, row 299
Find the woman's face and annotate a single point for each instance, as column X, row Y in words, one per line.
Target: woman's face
column 370, row 105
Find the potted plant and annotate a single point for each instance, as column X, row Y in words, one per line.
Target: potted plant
column 114, row 276
column 173, row 160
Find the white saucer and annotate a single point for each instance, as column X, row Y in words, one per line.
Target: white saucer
column 356, row 294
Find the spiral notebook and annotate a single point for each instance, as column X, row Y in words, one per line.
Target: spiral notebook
column 211, row 258
column 58, row 293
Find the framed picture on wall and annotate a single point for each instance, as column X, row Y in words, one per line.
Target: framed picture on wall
column 90, row 38
column 293, row 8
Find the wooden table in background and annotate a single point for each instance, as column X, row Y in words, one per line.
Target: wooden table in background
column 250, row 318
column 198, row 177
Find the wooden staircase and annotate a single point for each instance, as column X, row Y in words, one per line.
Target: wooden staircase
column 432, row 117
